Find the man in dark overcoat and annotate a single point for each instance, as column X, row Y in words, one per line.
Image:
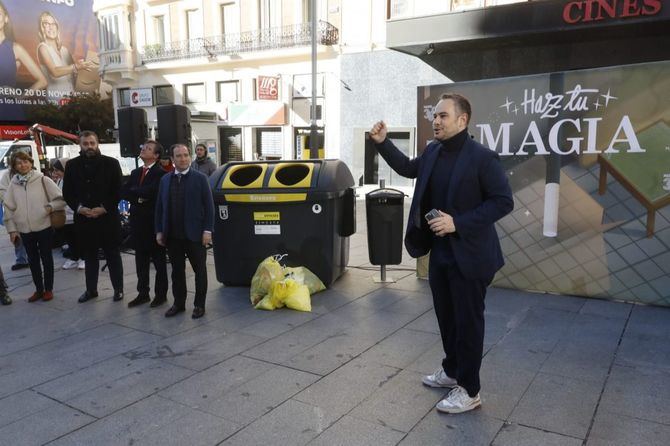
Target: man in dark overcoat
column 141, row 190
column 91, row 188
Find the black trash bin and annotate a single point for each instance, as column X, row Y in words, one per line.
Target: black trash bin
column 305, row 209
column 384, row 211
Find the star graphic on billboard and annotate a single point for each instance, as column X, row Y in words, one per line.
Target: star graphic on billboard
column 507, row 104
column 607, row 97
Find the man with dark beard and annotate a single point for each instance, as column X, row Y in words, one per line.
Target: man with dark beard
column 91, row 188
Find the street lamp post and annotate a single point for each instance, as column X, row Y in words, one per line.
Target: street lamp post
column 313, row 133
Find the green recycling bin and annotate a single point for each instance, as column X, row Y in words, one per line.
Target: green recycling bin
column 305, row 209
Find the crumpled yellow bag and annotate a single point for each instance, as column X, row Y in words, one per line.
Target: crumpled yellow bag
column 303, row 275
column 268, row 272
column 287, row 293
column 274, row 286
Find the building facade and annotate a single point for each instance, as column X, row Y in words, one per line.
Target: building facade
column 242, row 67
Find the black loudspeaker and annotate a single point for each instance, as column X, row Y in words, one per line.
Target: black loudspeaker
column 174, row 125
column 132, row 130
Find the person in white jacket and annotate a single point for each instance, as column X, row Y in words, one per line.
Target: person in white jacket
column 30, row 199
column 19, row 250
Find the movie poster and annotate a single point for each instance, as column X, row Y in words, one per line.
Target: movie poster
column 48, row 53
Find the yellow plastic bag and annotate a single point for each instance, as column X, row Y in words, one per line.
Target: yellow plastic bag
column 266, row 304
column 304, row 276
column 268, row 272
column 287, row 293
column 298, row 298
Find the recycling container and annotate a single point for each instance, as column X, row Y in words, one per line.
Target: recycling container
column 384, row 211
column 305, row 209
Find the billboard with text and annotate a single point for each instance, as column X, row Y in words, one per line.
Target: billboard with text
column 48, row 52
column 587, row 153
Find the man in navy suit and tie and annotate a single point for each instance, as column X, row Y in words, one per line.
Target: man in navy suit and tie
column 184, row 223
column 141, row 191
column 465, row 184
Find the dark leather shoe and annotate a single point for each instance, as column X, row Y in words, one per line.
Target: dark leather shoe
column 18, row 266
column 173, row 311
column 87, row 296
column 198, row 312
column 118, row 295
column 37, row 295
column 139, row 300
column 157, row 302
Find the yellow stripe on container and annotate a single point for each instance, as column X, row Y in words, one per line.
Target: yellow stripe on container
column 264, row 198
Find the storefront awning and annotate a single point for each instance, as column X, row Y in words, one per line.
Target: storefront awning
column 536, row 37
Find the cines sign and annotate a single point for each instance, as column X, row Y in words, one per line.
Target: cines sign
column 585, row 11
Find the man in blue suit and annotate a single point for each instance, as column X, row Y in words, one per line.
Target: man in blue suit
column 465, row 184
column 184, row 222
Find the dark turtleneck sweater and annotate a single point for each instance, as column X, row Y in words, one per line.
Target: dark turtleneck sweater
column 438, row 187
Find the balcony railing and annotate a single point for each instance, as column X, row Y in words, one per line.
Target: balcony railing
column 119, row 60
column 228, row 44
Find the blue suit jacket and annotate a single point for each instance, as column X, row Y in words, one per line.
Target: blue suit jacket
column 478, row 195
column 198, row 206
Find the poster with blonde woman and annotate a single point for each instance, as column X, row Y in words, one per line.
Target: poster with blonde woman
column 12, row 57
column 48, row 54
column 54, row 57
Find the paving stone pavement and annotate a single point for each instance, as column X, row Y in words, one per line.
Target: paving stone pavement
column 557, row 370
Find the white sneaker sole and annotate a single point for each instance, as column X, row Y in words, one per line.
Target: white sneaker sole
column 435, row 385
column 453, row 410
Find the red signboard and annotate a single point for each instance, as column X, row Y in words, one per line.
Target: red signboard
column 268, row 88
column 595, row 10
column 12, row 131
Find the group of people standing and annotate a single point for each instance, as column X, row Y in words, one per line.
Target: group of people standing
column 461, row 191
column 170, row 210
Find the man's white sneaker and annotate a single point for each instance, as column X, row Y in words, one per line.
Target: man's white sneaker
column 70, row 264
column 458, row 401
column 82, row 264
column 439, row 379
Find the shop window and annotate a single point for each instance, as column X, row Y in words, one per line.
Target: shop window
column 268, row 143
column 124, row 97
column 375, row 167
column 164, row 94
column 231, row 144
column 302, row 142
column 227, row 91
column 194, row 93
